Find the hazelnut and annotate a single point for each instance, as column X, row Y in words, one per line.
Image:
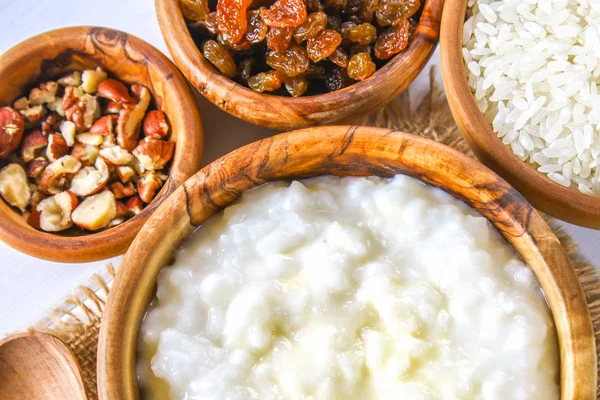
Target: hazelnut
column 36, row 167
column 71, row 79
column 130, row 120
column 56, row 173
column 86, row 154
column 96, row 211
column 105, row 125
column 154, row 153
column 121, row 191
column 115, row 91
column 43, row 94
column 68, row 131
column 11, row 130
column 155, row 124
column 90, row 180
column 53, row 214
column 57, row 147
column 148, row 186
column 33, row 142
column 113, row 107
column 135, row 205
column 91, row 78
column 116, row 155
column 14, row 186
column 34, row 114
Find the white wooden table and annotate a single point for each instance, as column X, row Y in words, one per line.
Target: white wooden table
column 30, row 287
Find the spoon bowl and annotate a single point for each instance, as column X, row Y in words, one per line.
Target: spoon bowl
column 38, row 366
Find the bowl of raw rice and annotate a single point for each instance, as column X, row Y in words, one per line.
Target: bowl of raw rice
column 521, row 79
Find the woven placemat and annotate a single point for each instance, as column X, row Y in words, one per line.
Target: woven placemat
column 77, row 323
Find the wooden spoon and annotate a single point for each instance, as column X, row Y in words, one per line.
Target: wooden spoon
column 36, row 366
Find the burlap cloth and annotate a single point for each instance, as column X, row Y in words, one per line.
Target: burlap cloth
column 78, row 322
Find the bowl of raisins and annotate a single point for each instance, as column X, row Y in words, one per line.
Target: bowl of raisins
column 288, row 64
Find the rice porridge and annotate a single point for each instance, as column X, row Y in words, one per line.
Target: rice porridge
column 348, row 288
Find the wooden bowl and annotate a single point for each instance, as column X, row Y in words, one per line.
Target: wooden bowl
column 287, row 113
column 564, row 203
column 342, row 151
column 133, row 61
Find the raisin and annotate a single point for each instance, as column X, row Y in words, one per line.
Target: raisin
column 337, row 79
column 367, row 10
column 291, row 62
column 323, row 44
column 353, row 6
column 389, row 11
column 360, row 48
column 314, row 72
column 219, row 56
column 361, row 67
column 314, row 5
column 195, row 10
column 284, row 13
column 239, row 46
column 210, row 23
column 335, row 4
column 345, row 31
column 334, row 22
column 313, row 24
column 231, row 19
column 339, row 57
column 354, row 19
column 278, row 39
column 362, row 34
column 257, row 29
column 266, row 81
column 245, row 69
column 393, row 41
column 296, row 86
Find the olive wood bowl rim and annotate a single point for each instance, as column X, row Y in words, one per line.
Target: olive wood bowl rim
column 318, row 109
column 343, row 151
column 561, row 202
column 114, row 241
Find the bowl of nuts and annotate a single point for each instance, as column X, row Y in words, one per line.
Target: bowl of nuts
column 97, row 127
column 288, row 64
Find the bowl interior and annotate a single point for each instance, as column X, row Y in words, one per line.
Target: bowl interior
column 342, row 151
column 130, row 60
column 564, row 203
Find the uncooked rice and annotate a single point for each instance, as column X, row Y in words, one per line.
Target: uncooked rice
column 533, row 66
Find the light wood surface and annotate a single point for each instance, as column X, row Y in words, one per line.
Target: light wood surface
column 342, row 151
column 37, row 366
column 288, row 113
column 564, row 203
column 133, row 61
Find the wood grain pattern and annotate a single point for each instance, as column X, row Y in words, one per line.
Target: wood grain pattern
column 343, row 151
column 287, row 113
column 38, row 366
column 567, row 204
column 133, row 61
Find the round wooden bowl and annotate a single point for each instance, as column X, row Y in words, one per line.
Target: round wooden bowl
column 287, row 113
column 131, row 60
column 564, row 203
column 342, row 151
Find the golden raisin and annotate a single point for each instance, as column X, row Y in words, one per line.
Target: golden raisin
column 313, row 24
column 323, row 44
column 231, row 19
column 210, row 23
column 361, row 67
column 393, row 41
column 266, row 81
column 389, row 11
column 278, row 39
column 337, row 4
column 296, row 86
column 284, row 13
column 195, row 10
column 219, row 56
column 339, row 57
column 362, row 34
column 241, row 45
column 257, row 29
column 367, row 10
column 314, row 5
column 291, row 62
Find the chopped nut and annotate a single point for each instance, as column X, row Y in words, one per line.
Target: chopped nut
column 86, row 154
column 135, row 205
column 154, row 153
column 34, row 114
column 155, row 124
column 122, row 211
column 21, row 103
column 90, row 139
column 33, row 143
column 96, row 211
column 36, row 167
column 116, row 155
column 105, row 125
column 43, row 94
column 68, row 131
column 14, row 186
column 121, row 191
column 130, row 120
column 80, row 108
column 11, row 130
column 115, row 91
column 91, row 78
column 125, row 173
column 113, row 107
column 36, row 198
column 109, row 141
column 148, row 186
column 57, row 106
column 57, row 147
column 71, row 79
column 54, row 213
column 64, row 167
column 51, row 123
column 90, row 180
